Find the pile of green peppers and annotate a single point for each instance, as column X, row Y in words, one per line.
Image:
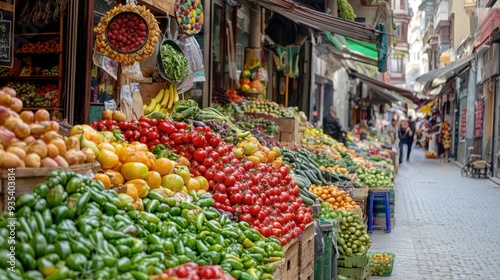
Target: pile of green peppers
column 71, row 227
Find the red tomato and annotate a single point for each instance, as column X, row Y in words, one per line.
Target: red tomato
column 153, row 135
column 236, row 198
column 220, row 188
column 208, row 162
column 143, row 139
column 182, row 271
column 230, row 180
column 215, row 140
column 220, row 198
column 181, row 125
column 255, row 210
column 167, row 127
column 199, row 141
column 200, row 155
column 247, row 199
column 219, row 177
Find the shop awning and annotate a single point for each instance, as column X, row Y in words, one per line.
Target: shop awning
column 401, row 94
column 353, row 46
column 445, row 72
column 488, row 26
column 320, row 20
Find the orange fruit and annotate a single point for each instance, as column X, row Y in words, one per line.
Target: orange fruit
column 164, row 166
column 106, row 181
column 193, row 184
column 140, row 185
column 132, row 192
column 153, row 179
column 134, row 170
column 172, row 182
column 115, row 177
column 203, row 183
column 108, row 159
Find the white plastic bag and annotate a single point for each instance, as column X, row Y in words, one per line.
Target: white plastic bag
column 133, row 71
column 193, row 53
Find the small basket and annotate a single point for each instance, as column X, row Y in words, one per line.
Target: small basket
column 161, row 69
column 381, row 267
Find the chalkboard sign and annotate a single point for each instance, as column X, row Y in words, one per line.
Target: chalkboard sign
column 6, row 33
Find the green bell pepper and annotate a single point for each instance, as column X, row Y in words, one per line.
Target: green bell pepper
column 76, row 261
column 149, row 217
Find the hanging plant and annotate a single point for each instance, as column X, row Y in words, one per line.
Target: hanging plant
column 127, row 34
column 345, row 10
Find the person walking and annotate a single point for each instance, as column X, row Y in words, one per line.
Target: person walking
column 411, row 137
column 405, row 135
column 332, row 126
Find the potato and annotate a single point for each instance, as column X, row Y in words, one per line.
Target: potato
column 11, row 160
column 20, row 144
column 22, row 130
column 72, row 157
column 61, row 146
column 5, row 100
column 89, row 153
column 118, row 116
column 81, row 157
column 61, row 161
column 38, row 128
column 54, row 126
column 30, row 139
column 52, row 150
column 17, row 105
column 73, row 143
column 42, row 115
column 48, row 162
column 33, row 160
column 27, row 116
column 39, row 147
column 50, row 135
column 20, row 152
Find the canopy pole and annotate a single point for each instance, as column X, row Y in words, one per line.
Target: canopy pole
column 256, row 24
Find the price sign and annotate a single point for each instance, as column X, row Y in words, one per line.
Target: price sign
column 6, row 33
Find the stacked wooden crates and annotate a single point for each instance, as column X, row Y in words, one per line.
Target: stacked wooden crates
column 361, row 197
column 288, row 267
column 355, row 268
column 306, row 253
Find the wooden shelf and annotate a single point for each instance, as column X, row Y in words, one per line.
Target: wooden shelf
column 37, row 34
column 96, row 104
column 42, row 107
column 37, row 54
column 27, row 78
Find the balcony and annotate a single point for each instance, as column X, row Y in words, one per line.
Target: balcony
column 442, row 14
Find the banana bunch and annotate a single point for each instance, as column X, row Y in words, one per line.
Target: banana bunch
column 162, row 102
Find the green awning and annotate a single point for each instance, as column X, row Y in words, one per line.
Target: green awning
column 342, row 43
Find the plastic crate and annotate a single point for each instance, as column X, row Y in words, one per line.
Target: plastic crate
column 381, row 267
column 354, row 261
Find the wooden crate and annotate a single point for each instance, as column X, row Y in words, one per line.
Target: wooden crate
column 279, row 271
column 363, row 204
column 360, row 193
column 307, row 273
column 291, row 270
column 306, row 247
column 289, row 130
column 362, row 273
column 166, row 6
column 26, row 179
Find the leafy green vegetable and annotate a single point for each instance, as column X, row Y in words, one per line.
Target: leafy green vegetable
column 175, row 63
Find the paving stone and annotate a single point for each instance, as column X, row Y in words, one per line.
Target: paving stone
column 446, row 224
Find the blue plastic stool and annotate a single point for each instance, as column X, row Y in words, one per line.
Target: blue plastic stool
column 379, row 196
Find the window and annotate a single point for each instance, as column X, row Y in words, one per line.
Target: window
column 402, row 4
column 398, row 32
column 397, row 64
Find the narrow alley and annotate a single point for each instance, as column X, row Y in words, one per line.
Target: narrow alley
column 446, row 225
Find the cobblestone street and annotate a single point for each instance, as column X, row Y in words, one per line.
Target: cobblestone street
column 446, row 225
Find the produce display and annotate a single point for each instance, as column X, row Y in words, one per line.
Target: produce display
column 174, row 63
column 338, row 199
column 160, row 104
column 352, row 239
column 34, row 95
column 329, row 214
column 375, row 177
column 127, row 34
column 189, row 15
column 250, row 182
column 263, row 129
column 191, row 271
column 446, row 134
column 220, row 97
column 253, row 77
column 50, row 46
column 381, row 264
column 233, row 95
column 54, row 71
column 71, row 227
column 32, row 140
column 231, row 110
column 263, row 106
column 4, row 72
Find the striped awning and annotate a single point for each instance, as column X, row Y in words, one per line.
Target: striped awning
column 320, row 20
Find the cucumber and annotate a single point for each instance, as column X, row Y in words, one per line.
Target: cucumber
column 344, row 177
column 312, row 177
column 308, row 194
column 306, row 200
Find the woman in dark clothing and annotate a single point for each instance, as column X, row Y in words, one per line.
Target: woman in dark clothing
column 405, row 135
column 332, row 126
